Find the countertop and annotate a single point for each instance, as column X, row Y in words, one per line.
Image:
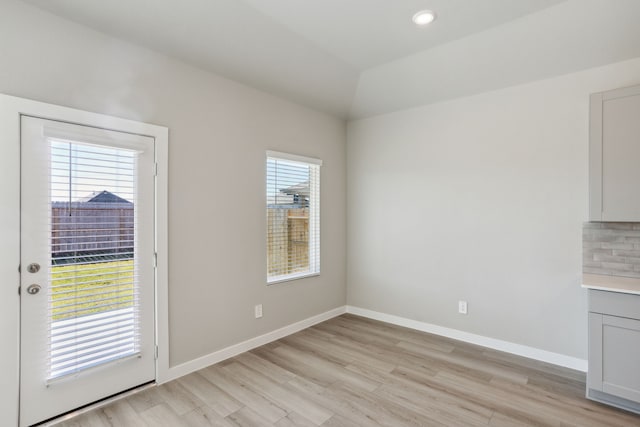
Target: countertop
column 625, row 285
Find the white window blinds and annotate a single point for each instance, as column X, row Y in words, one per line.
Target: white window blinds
column 293, row 216
column 93, row 283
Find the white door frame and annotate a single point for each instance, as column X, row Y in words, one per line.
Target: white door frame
column 11, row 108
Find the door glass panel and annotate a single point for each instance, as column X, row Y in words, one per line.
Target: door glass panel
column 93, row 280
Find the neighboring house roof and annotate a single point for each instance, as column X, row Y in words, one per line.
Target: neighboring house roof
column 301, row 189
column 103, row 197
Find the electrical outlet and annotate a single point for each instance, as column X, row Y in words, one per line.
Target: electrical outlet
column 462, row 307
column 258, row 311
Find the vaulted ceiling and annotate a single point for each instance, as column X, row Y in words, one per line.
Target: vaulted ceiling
column 358, row 58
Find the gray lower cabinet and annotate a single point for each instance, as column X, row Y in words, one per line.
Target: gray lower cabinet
column 614, row 349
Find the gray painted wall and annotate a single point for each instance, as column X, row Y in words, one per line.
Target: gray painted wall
column 219, row 131
column 479, row 199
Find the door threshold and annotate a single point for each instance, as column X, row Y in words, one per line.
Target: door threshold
column 95, row 405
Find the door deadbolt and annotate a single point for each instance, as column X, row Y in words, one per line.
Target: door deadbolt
column 33, row 289
column 33, row 267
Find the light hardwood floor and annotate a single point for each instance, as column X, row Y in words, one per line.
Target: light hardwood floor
column 352, row 371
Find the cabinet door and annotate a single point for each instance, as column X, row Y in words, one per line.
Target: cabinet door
column 594, row 373
column 614, row 356
column 615, row 155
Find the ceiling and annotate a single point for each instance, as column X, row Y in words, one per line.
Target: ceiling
column 358, row 58
column 366, row 33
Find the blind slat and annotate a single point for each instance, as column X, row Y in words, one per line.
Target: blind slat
column 121, row 254
column 89, row 309
column 95, row 296
column 91, row 359
column 93, row 283
column 80, row 282
column 90, row 345
column 82, row 335
column 86, row 323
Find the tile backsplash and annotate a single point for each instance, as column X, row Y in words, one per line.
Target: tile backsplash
column 611, row 248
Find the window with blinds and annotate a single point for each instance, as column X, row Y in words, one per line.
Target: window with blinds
column 93, row 298
column 293, row 216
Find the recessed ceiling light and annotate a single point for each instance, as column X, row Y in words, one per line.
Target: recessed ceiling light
column 424, row 17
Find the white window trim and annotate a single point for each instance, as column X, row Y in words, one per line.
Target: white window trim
column 293, row 157
column 314, row 260
column 290, row 277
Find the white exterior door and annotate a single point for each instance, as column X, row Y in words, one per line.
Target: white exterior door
column 87, row 265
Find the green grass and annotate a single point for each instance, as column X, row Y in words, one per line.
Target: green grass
column 72, row 297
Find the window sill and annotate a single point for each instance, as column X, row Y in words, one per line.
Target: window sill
column 290, row 277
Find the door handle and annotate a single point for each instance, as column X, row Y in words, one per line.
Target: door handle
column 33, row 289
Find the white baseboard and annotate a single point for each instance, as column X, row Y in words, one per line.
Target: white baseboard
column 231, row 351
column 506, row 346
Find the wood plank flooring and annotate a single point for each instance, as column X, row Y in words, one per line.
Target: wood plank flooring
column 352, row 371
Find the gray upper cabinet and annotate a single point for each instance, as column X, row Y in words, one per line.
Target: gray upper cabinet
column 614, row 170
